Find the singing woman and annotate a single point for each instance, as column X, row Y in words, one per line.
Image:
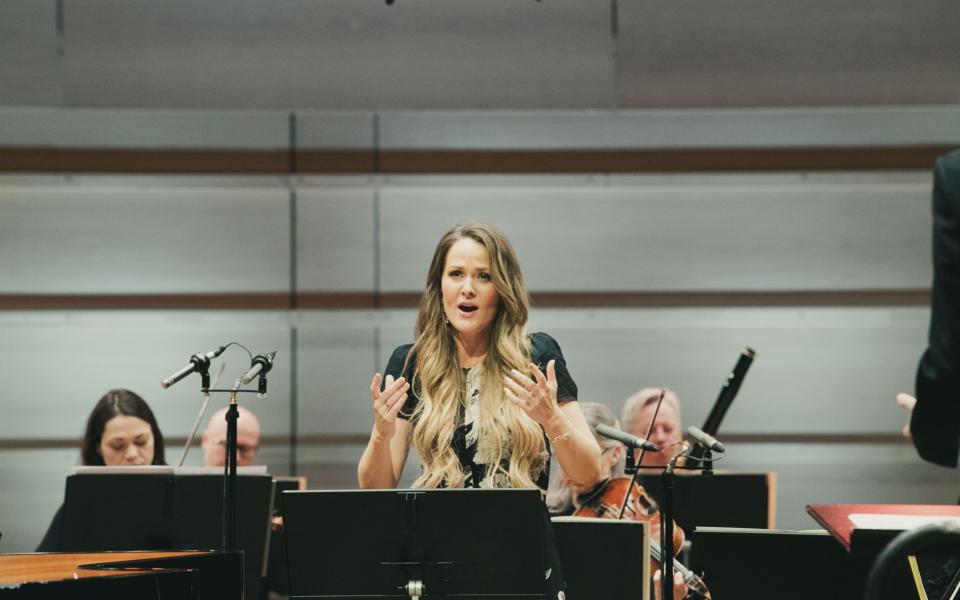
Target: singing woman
column 484, row 402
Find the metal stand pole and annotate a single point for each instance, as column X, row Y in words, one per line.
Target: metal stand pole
column 230, row 478
column 666, row 533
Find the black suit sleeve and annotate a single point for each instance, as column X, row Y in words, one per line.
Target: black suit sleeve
column 935, row 424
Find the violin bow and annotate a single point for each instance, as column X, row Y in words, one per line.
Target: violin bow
column 633, row 480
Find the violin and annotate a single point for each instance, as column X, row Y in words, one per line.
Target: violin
column 605, row 503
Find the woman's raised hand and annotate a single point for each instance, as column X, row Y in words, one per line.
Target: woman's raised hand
column 535, row 392
column 387, row 404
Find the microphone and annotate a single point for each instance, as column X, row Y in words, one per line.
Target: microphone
column 708, row 441
column 628, row 440
column 198, row 362
column 259, row 366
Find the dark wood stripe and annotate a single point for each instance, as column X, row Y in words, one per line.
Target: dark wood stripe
column 812, row 438
column 369, row 300
column 336, row 161
column 661, row 160
column 333, row 161
column 90, row 160
column 695, row 299
column 336, row 300
column 360, row 439
column 225, row 301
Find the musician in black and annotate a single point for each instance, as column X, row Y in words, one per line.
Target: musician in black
column 121, row 431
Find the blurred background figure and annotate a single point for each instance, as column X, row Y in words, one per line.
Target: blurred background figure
column 667, row 432
column 121, row 431
column 564, row 495
column 934, row 414
column 214, row 441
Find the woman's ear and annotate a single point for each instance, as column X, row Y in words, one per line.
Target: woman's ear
column 614, row 455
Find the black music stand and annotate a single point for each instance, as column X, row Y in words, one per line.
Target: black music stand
column 129, row 511
column 604, row 558
column 275, row 579
column 782, row 564
column 735, row 499
column 462, row 543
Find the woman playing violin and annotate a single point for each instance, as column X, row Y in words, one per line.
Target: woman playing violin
column 604, row 499
column 484, row 402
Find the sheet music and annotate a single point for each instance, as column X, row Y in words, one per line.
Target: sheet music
column 164, row 470
column 897, row 522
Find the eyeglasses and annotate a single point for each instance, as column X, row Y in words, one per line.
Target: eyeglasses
column 242, row 449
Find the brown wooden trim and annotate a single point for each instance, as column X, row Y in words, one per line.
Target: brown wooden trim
column 338, row 161
column 132, row 160
column 692, row 299
column 336, row 300
column 360, row 439
column 370, row 300
column 400, row 299
column 813, row 438
column 706, row 299
column 661, row 160
column 224, row 301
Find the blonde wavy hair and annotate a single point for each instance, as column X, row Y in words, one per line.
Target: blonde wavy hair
column 503, row 430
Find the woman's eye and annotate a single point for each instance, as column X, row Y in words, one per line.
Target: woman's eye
column 454, row 273
column 118, row 447
column 484, row 276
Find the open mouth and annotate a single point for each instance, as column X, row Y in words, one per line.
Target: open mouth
column 467, row 308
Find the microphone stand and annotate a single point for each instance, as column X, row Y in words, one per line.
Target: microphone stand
column 202, row 366
column 199, row 419
column 230, row 466
column 666, row 531
column 230, row 475
column 667, row 480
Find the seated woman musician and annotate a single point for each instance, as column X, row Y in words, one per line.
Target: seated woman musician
column 604, row 499
column 484, row 402
column 121, row 431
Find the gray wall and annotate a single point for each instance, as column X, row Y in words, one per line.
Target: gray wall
column 423, row 54
column 820, row 369
column 492, row 75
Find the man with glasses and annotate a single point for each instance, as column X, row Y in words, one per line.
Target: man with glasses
column 214, row 442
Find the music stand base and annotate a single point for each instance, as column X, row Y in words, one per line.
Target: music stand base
column 415, row 588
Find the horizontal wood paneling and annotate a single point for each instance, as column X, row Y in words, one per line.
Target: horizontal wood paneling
column 365, row 300
column 333, row 161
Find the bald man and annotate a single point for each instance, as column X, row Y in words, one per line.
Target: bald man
column 214, row 441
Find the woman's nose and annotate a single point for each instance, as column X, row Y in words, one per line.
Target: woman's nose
column 131, row 452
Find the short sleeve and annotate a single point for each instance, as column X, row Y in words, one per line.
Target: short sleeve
column 395, row 367
column 544, row 349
